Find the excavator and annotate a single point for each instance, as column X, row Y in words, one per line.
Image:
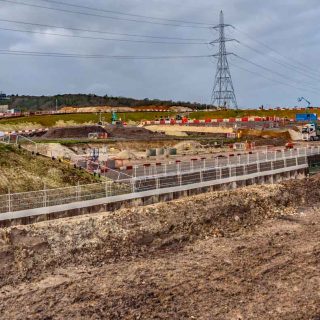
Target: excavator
column 115, row 120
column 304, row 99
column 311, row 131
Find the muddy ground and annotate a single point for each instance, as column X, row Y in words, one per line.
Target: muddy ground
column 252, row 253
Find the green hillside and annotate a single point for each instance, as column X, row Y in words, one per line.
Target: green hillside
column 21, row 171
column 31, row 103
column 51, row 120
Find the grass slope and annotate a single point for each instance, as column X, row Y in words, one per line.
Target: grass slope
column 50, row 120
column 21, row 171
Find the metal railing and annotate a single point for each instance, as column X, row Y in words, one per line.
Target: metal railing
column 182, row 176
column 218, row 161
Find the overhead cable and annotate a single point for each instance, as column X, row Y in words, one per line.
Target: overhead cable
column 102, row 16
column 99, row 31
column 95, row 56
column 100, row 38
column 124, row 13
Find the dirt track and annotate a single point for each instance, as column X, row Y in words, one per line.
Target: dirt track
column 247, row 254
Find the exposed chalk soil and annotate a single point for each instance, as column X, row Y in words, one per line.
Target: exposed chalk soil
column 252, row 253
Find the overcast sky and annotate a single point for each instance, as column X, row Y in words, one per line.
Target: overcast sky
column 290, row 28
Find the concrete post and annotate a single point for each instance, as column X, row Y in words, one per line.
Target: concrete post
column 78, row 191
column 9, row 201
column 44, row 197
column 106, row 188
column 135, row 171
column 133, row 185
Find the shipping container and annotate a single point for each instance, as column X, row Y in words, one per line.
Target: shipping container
column 305, row 117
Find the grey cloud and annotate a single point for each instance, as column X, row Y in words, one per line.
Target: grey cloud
column 289, row 27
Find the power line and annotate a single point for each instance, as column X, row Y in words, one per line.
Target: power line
column 269, row 79
column 296, row 62
column 269, row 70
column 103, row 16
column 94, row 56
column 100, row 38
column 123, row 13
column 281, row 63
column 100, row 32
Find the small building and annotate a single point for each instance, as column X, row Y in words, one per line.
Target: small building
column 4, row 108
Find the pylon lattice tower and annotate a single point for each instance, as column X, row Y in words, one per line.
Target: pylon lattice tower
column 223, row 92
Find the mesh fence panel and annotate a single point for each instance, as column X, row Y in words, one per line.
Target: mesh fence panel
column 176, row 174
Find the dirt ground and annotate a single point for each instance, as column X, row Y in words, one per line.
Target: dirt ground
column 113, row 131
column 72, row 132
column 252, row 253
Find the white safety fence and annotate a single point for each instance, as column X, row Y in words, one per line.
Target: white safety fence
column 219, row 161
column 53, row 197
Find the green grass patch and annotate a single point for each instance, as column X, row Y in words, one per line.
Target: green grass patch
column 51, row 120
column 21, row 171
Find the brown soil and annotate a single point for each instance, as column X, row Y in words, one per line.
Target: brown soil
column 251, row 253
column 132, row 132
column 72, row 132
column 82, row 132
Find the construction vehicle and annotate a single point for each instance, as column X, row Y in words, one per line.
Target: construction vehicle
column 115, row 120
column 307, row 117
column 304, row 99
column 311, row 132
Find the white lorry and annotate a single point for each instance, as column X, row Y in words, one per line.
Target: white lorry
column 311, row 132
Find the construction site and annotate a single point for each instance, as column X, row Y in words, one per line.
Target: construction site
column 123, row 208
column 179, row 219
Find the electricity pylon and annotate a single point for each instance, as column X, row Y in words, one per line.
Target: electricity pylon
column 223, row 92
